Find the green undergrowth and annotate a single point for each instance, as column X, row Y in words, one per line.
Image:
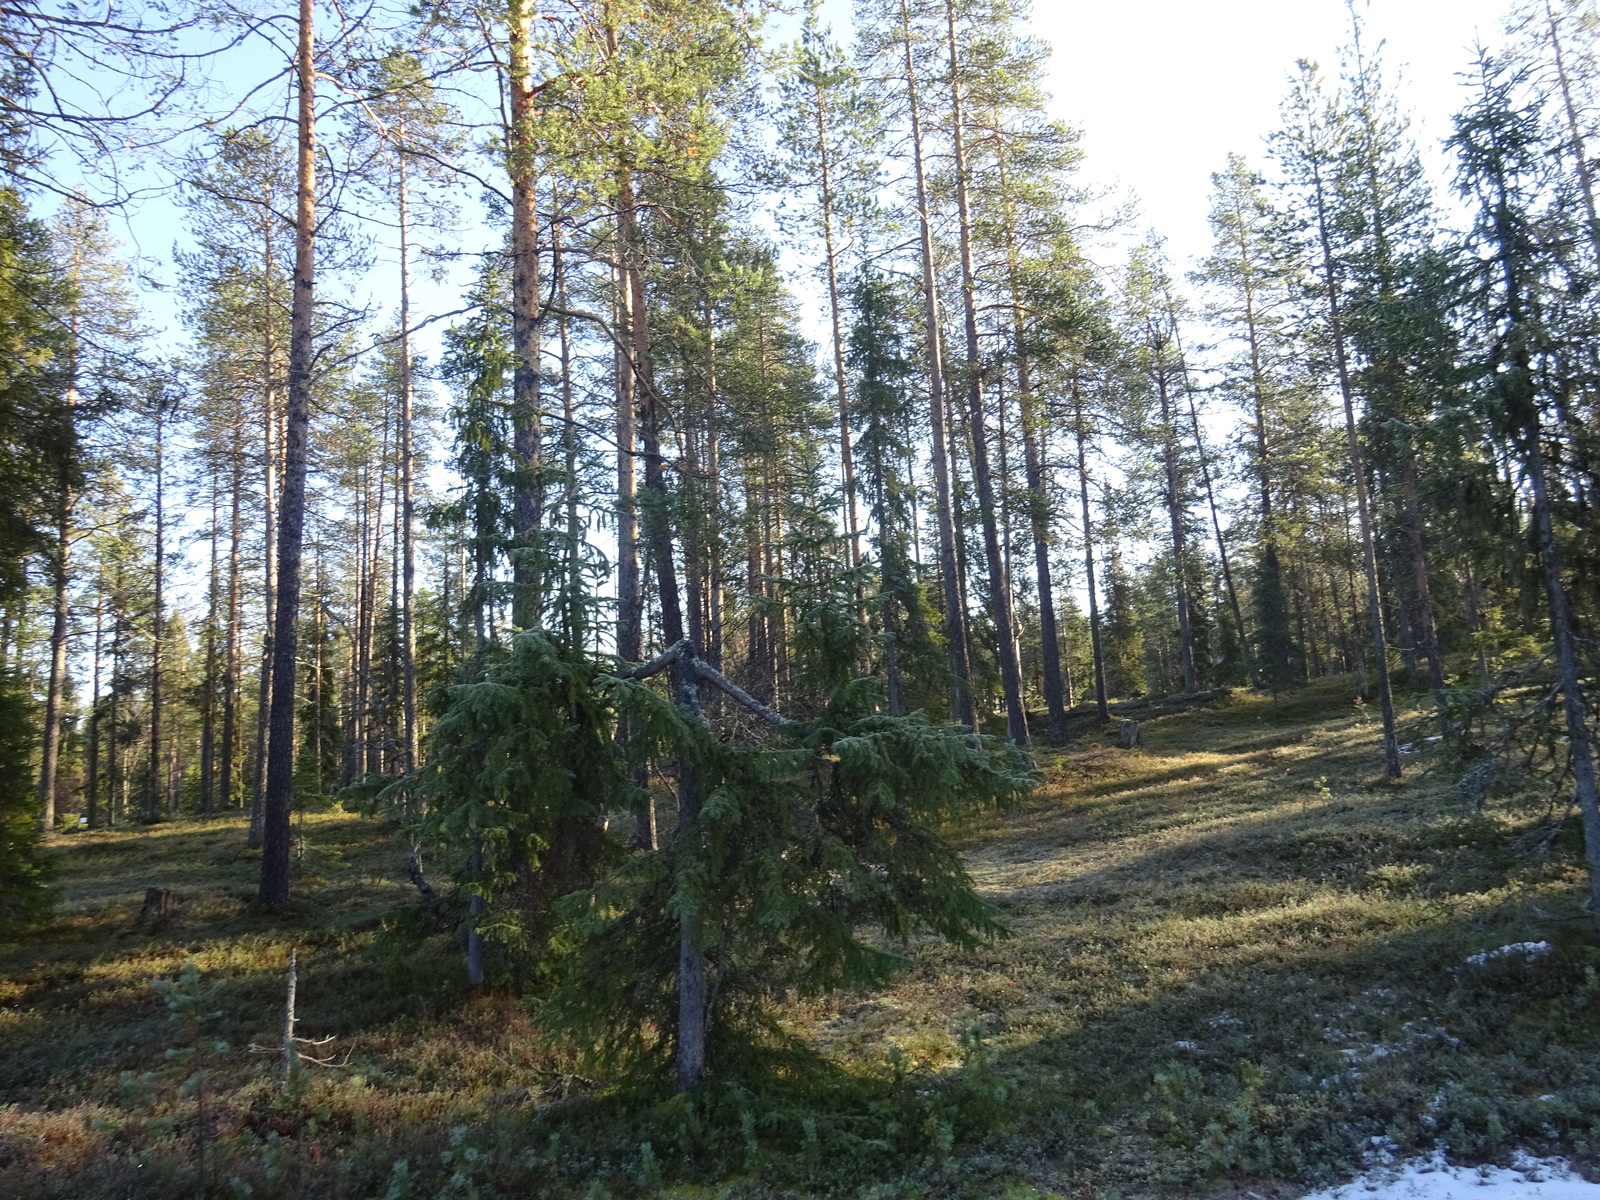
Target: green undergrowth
column 1241, row 961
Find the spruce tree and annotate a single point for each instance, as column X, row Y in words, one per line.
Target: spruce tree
column 1503, row 172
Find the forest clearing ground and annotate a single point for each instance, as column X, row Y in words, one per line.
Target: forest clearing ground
column 1241, row 963
column 1239, row 952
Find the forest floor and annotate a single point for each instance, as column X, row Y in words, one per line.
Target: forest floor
column 1243, row 966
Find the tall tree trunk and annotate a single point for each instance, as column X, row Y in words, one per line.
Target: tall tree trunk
column 1180, row 567
column 955, row 616
column 691, row 982
column 1102, row 703
column 1577, row 148
column 233, row 657
column 60, row 628
column 714, row 600
column 1039, row 528
column 961, row 499
column 630, row 576
column 61, row 577
column 852, row 523
column 693, row 529
column 272, row 497
column 573, row 618
column 116, row 777
column 1369, row 552
column 1574, row 708
column 778, row 620
column 371, row 744
column 757, row 661
column 630, row 589
column 158, row 618
column 274, row 890
column 361, row 648
column 408, row 494
column 1038, row 502
column 208, row 687
column 527, row 433
column 1211, row 503
column 1515, row 383
column 999, row 589
column 91, row 786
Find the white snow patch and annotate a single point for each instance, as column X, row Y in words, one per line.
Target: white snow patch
column 1527, row 1178
column 1186, row 1045
column 1528, row 950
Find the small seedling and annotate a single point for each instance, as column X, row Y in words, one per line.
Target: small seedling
column 191, row 1005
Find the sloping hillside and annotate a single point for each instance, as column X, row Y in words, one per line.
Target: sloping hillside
column 1241, row 964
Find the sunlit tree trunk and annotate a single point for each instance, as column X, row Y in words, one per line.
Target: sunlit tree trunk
column 1369, row 552
column 955, row 616
column 158, row 617
column 271, row 497
column 1038, row 502
column 208, row 687
column 1101, row 701
column 274, row 889
column 527, row 432
column 999, row 589
column 1174, row 504
column 852, row 522
column 60, row 626
column 408, row 495
column 232, row 651
column 91, row 783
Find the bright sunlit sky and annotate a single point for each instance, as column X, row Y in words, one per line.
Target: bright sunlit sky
column 1163, row 90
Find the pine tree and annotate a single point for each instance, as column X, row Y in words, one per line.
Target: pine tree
column 1024, row 222
column 103, row 331
column 826, row 138
column 414, row 141
column 896, row 48
column 1157, row 375
column 237, row 287
column 1000, row 606
column 1385, row 223
column 37, row 454
column 278, row 795
column 914, row 677
column 1307, row 148
column 1250, row 275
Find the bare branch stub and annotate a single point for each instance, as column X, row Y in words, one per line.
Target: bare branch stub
column 717, row 679
column 711, row 675
column 654, row 667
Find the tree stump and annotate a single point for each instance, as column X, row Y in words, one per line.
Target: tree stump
column 1130, row 735
column 159, row 903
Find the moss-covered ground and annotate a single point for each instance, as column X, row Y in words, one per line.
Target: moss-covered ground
column 1243, row 963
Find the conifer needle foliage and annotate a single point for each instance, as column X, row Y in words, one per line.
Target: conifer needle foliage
column 520, row 775
column 812, row 856
column 817, row 848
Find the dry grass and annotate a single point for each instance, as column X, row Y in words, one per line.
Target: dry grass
column 1239, row 957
